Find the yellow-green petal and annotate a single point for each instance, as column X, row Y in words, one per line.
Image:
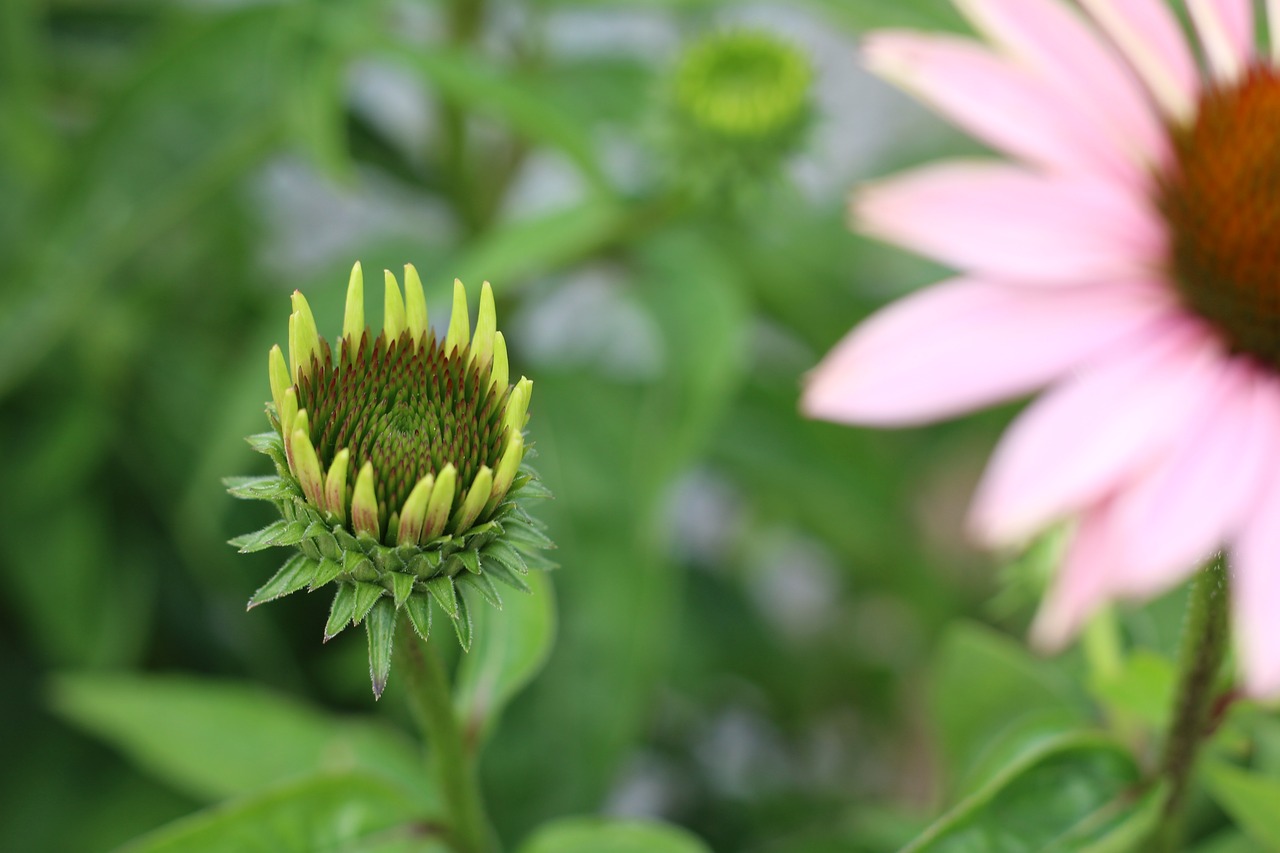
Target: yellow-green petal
column 364, row 503
column 415, row 303
column 486, row 327
column 415, row 512
column 393, row 315
column 335, row 486
column 441, row 502
column 477, row 497
column 353, row 318
column 459, row 321
column 306, row 465
column 288, row 411
column 518, row 405
column 501, row 375
column 508, row 465
column 278, row 372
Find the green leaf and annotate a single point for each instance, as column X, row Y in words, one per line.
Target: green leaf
column 418, row 607
column 1067, row 792
column 401, row 587
column 381, row 628
column 511, row 648
column 1142, row 689
column 983, row 683
column 441, row 589
column 277, row 533
column 482, row 585
column 260, row 488
column 1250, row 799
column 297, row 572
column 462, row 624
column 505, row 554
column 334, row 813
column 526, row 535
column 327, row 572
column 215, row 739
column 342, row 611
column 367, row 595
column 598, row 835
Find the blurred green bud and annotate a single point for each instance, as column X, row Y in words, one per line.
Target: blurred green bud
column 742, row 107
column 433, row 430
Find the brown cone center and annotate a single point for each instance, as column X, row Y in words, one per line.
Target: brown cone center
column 1221, row 199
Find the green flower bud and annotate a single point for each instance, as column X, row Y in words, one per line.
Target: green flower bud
column 432, row 430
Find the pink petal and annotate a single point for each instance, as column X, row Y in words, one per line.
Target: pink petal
column 1050, row 38
column 964, row 344
column 1081, row 585
column 997, row 101
column 1149, row 36
column 1273, row 21
column 1005, row 222
column 1086, row 437
column 1182, row 510
column 1226, row 33
column 1255, row 595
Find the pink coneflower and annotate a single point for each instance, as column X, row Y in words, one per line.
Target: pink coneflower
column 1129, row 259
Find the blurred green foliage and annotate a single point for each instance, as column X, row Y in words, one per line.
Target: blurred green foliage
column 750, row 604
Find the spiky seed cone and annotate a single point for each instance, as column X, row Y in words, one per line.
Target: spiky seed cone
column 399, row 465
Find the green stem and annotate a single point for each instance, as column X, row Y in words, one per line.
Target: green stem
column 453, row 766
column 1204, row 645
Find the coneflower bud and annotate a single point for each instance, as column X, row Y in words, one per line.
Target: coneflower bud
column 423, row 447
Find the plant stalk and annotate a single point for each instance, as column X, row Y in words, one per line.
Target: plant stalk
column 451, row 763
column 1204, row 646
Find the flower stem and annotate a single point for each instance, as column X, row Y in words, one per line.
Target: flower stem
column 453, row 766
column 1204, row 645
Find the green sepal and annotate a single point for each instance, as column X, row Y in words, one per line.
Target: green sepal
column 520, row 533
column 270, row 488
column 426, row 564
column 359, row 566
column 296, row 573
column 538, row 561
column 462, row 625
column 401, row 587
column 270, row 444
column 340, row 613
column 418, row 606
column 327, row 572
column 367, row 595
column 441, row 589
column 508, row 556
column 497, row 571
column 381, row 628
column 470, row 561
column 279, row 532
column 483, row 585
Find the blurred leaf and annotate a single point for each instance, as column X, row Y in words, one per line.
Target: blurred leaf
column 1250, row 799
column 1143, row 689
column 333, row 813
column 596, row 835
column 511, row 647
column 1072, row 792
column 218, row 739
column 861, row 15
column 1230, row 841
column 982, row 683
column 471, row 81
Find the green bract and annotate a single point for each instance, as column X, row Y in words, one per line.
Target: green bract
column 399, row 467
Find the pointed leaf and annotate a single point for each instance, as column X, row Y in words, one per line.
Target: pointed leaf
column 342, row 611
column 505, row 554
column 595, row 835
column 441, row 589
column 260, row 488
column 532, row 489
column 367, row 595
column 268, row 443
column 297, row 572
column 418, row 606
column 1249, row 798
column 483, row 585
column 470, row 560
column 462, row 624
column 497, row 571
column 327, row 572
column 381, row 628
column 401, row 587
column 279, row 532
column 527, row 535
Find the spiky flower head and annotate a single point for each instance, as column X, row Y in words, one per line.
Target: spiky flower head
column 400, row 473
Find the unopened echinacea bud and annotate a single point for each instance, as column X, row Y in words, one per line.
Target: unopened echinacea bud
column 399, row 465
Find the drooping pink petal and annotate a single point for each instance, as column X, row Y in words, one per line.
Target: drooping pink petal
column 1148, row 34
column 1050, row 38
column 965, row 344
column 998, row 101
column 1177, row 514
column 1226, row 30
column 1081, row 584
column 1002, row 222
column 1255, row 589
column 1084, row 438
